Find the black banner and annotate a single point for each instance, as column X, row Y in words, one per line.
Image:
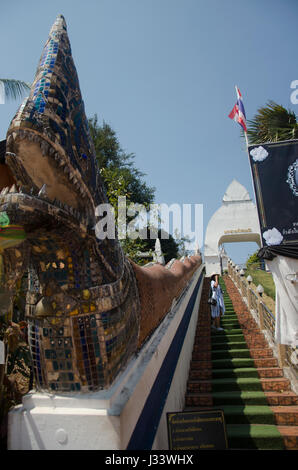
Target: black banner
column 275, row 177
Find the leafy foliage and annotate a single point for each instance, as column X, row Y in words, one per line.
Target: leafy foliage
column 14, row 89
column 253, row 260
column 107, row 147
column 117, row 167
column 121, row 178
column 272, row 123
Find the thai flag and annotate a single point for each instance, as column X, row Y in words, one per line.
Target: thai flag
column 238, row 112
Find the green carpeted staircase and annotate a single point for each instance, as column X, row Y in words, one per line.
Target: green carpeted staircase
column 234, row 370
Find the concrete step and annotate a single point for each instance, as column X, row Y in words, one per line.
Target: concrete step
column 265, row 362
column 257, row 414
column 254, row 436
column 232, row 363
column 219, row 346
column 286, row 415
column 260, row 353
column 266, row 372
column 234, row 343
column 257, row 343
column 286, row 398
column 230, row 332
column 277, row 384
column 217, row 399
column 248, row 414
column 290, row 436
column 261, row 414
column 226, row 338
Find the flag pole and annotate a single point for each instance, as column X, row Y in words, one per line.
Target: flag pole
column 245, row 133
column 246, row 139
column 250, row 167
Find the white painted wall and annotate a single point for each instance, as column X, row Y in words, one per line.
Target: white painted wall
column 176, row 397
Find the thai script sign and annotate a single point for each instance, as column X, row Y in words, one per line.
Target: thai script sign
column 200, row 430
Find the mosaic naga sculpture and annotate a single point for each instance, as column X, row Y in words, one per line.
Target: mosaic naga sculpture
column 89, row 308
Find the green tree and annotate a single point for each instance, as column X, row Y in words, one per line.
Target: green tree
column 253, row 260
column 107, row 147
column 272, row 123
column 121, row 178
column 115, row 164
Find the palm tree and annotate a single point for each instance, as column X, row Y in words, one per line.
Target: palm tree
column 14, row 89
column 11, row 89
column 272, row 123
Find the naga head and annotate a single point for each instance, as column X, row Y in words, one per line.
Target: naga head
column 48, row 143
column 82, row 301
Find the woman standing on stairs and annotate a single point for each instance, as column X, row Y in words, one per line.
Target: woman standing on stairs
column 217, row 310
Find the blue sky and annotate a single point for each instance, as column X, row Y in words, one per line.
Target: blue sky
column 162, row 73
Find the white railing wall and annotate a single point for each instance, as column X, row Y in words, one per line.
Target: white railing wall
column 264, row 317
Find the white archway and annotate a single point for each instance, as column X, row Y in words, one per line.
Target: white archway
column 235, row 221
